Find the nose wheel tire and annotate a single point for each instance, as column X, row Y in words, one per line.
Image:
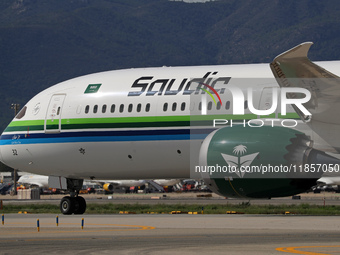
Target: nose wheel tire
column 80, row 205
column 69, row 205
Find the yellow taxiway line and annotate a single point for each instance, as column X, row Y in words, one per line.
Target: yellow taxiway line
column 294, row 251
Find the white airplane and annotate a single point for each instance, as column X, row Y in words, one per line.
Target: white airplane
column 150, row 123
column 42, row 182
column 109, row 185
column 34, row 179
column 329, row 181
column 167, row 182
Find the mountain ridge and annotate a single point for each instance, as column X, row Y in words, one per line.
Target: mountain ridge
column 43, row 42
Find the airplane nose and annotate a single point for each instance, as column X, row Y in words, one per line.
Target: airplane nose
column 1, row 158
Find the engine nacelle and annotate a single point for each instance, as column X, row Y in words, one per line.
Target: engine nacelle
column 108, row 187
column 259, row 162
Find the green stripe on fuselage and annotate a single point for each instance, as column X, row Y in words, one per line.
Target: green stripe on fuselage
column 129, row 122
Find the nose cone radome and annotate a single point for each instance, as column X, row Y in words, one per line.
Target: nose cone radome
column 1, row 158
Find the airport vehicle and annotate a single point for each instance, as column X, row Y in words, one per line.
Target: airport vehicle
column 150, row 123
column 110, row 185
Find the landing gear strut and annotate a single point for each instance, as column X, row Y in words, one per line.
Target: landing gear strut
column 73, row 203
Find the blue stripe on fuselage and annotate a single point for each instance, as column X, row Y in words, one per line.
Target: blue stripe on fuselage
column 105, row 136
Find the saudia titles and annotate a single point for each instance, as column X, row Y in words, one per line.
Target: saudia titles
column 145, row 85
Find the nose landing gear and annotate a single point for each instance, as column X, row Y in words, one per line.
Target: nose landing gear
column 69, row 205
column 73, row 203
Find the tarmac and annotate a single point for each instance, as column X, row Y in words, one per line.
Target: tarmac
column 169, row 234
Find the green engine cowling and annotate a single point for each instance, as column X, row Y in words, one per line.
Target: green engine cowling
column 258, row 162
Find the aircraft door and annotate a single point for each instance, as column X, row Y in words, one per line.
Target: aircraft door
column 53, row 114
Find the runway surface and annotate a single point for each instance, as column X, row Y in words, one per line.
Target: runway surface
column 169, row 234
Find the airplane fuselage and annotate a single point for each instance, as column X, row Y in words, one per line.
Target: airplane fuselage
column 125, row 124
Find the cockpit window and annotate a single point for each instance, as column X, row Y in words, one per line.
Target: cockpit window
column 21, row 113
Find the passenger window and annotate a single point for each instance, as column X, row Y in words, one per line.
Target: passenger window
column 183, row 106
column 87, row 109
column 200, row 106
column 139, row 107
column 104, row 108
column 147, row 107
column 174, row 106
column 165, row 107
column 95, row 109
column 113, row 107
column 227, row 105
column 130, row 108
column 209, row 105
column 218, row 106
column 121, row 108
column 58, row 111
